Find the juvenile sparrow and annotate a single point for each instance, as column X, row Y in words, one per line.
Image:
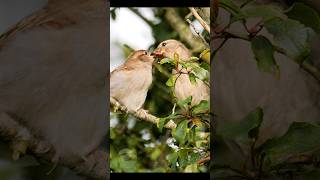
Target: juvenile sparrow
column 183, row 87
column 129, row 83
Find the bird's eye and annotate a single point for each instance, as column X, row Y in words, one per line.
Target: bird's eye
column 164, row 44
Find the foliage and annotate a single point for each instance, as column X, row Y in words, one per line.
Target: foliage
column 295, row 153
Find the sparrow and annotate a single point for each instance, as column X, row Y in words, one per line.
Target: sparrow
column 129, row 83
column 183, row 87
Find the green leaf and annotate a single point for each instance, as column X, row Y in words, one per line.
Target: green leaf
column 155, row 154
column 290, row 36
column 194, row 157
column 193, row 58
column 128, row 166
column 172, row 159
column 205, row 66
column 306, row 15
column 180, row 132
column 192, row 168
column 164, row 120
column 184, row 102
column 202, row 107
column 127, row 50
column 192, row 78
column 171, row 81
column 230, row 6
column 200, row 72
column 113, row 13
column 300, row 138
column 243, row 131
column 266, row 12
column 263, row 52
column 183, row 157
column 161, row 123
column 167, row 60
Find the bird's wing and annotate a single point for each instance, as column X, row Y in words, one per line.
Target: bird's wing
column 121, row 79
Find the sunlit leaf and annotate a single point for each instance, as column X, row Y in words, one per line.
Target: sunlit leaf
column 202, row 107
column 171, row 81
column 167, row 60
column 184, row 102
column 200, row 72
column 192, row 168
column 193, row 58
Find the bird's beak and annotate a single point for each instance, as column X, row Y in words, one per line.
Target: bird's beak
column 158, row 52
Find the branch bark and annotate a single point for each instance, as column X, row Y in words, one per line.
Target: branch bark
column 142, row 114
column 95, row 165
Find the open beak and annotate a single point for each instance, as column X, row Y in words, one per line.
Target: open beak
column 157, row 53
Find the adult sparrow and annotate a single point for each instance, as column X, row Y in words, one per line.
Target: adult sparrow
column 129, row 83
column 183, row 87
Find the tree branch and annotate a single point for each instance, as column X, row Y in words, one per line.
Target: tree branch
column 135, row 11
column 309, row 68
column 202, row 22
column 95, row 165
column 182, row 28
column 141, row 114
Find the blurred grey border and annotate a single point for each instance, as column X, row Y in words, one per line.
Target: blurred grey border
column 108, row 85
column 13, row 11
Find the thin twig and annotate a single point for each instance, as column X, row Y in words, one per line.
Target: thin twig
column 202, row 22
column 182, row 28
column 195, row 30
column 203, row 160
column 246, row 3
column 135, row 11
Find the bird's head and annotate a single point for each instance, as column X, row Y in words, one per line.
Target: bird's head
column 166, row 49
column 141, row 55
